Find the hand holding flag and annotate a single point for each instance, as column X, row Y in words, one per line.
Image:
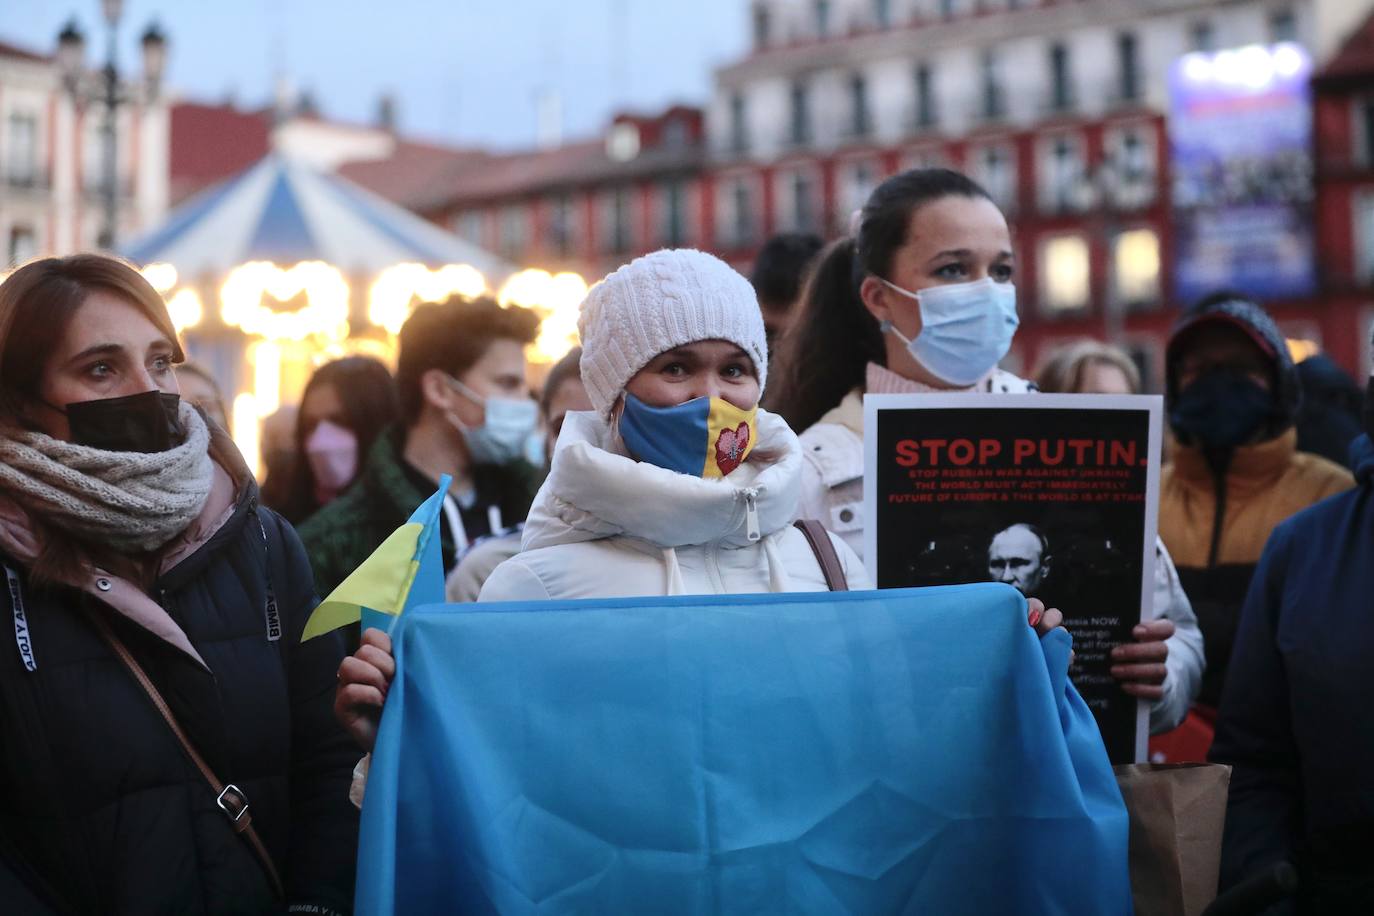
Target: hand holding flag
column 406, row 571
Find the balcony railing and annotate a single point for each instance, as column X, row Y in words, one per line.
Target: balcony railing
column 27, row 179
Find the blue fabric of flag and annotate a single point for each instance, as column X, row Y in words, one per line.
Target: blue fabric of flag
column 913, row 751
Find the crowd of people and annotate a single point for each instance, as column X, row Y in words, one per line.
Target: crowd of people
column 160, row 692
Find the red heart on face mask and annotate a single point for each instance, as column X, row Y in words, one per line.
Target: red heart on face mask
column 730, row 448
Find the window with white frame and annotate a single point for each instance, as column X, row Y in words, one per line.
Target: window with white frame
column 468, row 225
column 763, row 25
column 858, row 179
column 925, row 114
column 800, row 113
column 1130, row 160
column 1065, row 275
column 1362, row 207
column 561, row 224
column 739, row 123
column 674, row 213
column 1135, row 268
column 21, row 160
column 1061, row 78
column 798, row 195
column 1283, row 24
column 735, row 211
column 859, row 121
column 821, row 10
column 994, row 98
column 616, row 221
column 515, row 230
column 1202, row 35
column 994, row 167
column 1127, row 67
column 926, row 157
column 1062, row 164
column 23, row 244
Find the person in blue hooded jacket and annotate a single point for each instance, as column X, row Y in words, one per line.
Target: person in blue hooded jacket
column 1295, row 720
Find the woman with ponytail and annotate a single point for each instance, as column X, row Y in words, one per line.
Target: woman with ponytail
column 921, row 299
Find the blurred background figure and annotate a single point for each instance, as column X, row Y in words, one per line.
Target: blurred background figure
column 346, row 406
column 1231, row 400
column 198, row 389
column 278, row 453
column 1295, row 721
column 779, row 276
column 563, row 393
column 1329, row 415
column 1088, row 367
column 466, row 411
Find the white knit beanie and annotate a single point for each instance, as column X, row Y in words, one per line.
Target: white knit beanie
column 660, row 301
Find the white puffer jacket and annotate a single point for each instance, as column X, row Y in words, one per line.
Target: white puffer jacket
column 606, row 526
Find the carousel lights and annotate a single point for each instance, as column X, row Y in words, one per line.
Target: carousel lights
column 324, row 314
column 556, row 298
column 396, row 288
column 185, row 309
column 161, row 276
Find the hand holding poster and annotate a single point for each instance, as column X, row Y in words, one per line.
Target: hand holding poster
column 1056, row 495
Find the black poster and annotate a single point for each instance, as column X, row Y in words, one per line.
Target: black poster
column 1055, row 495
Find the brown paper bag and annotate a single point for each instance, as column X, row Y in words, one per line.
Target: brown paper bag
column 1177, row 813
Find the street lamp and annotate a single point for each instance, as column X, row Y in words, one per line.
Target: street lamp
column 71, row 60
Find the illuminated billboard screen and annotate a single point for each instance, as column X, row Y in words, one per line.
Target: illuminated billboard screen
column 1240, row 127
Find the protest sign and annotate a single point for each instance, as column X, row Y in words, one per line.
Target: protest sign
column 1054, row 494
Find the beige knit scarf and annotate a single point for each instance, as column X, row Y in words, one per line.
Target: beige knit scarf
column 131, row 501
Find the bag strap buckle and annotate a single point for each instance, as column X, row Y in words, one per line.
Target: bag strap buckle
column 233, row 802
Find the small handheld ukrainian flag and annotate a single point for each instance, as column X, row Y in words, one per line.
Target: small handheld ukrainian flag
column 405, row 572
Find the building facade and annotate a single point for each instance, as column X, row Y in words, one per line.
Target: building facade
column 51, row 153
column 1057, row 107
column 588, row 206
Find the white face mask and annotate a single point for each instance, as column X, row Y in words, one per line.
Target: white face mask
column 966, row 328
column 508, row 426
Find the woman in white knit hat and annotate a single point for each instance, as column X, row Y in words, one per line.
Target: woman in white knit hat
column 676, row 484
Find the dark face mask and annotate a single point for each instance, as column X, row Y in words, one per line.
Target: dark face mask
column 1222, row 409
column 145, row 422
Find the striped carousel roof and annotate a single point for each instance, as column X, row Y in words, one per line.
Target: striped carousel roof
column 283, row 211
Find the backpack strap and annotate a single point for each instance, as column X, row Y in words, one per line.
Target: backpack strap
column 826, row 555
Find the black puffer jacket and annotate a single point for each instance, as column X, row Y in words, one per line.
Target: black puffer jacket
column 100, row 809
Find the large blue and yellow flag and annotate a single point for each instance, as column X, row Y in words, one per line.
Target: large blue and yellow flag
column 916, row 751
column 406, row 571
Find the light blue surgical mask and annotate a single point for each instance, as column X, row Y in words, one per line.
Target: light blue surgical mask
column 966, row 328
column 505, row 432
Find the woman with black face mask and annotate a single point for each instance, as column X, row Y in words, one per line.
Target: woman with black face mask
column 1232, row 395
column 168, row 744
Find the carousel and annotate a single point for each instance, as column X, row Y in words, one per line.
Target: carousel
column 282, row 268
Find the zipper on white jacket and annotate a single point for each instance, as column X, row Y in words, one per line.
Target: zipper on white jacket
column 751, row 514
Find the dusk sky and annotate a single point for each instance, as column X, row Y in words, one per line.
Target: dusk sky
column 463, row 71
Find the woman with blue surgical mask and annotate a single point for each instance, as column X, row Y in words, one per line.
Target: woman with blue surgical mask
column 675, row 483
column 922, row 299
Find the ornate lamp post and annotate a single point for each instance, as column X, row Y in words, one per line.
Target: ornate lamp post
column 110, row 95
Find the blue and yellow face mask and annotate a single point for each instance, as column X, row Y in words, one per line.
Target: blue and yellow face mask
column 705, row 437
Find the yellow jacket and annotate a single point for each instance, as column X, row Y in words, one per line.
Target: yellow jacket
column 1265, row 484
